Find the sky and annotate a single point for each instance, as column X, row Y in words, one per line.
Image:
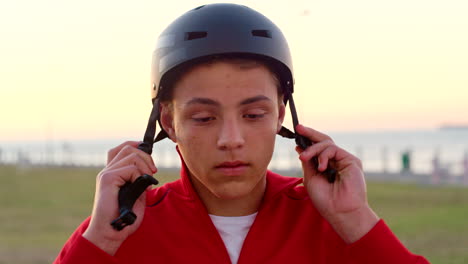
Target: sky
column 81, row 69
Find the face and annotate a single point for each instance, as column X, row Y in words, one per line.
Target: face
column 224, row 119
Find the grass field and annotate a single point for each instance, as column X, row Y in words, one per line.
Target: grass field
column 40, row 207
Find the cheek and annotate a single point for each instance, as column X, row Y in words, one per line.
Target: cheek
column 188, row 135
column 268, row 142
column 192, row 142
column 267, row 130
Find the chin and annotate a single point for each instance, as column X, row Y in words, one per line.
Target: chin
column 233, row 192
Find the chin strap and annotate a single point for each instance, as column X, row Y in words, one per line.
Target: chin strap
column 284, row 132
column 149, row 139
column 130, row 191
column 330, row 173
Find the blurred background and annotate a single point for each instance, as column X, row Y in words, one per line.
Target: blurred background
column 388, row 80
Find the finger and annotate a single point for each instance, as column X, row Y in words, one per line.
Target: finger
column 345, row 158
column 327, row 154
column 132, row 159
column 129, row 150
column 312, row 134
column 315, row 150
column 308, row 166
column 310, row 170
column 119, row 176
column 299, row 150
column 114, row 151
column 337, row 158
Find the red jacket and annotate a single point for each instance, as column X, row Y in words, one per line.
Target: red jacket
column 288, row 229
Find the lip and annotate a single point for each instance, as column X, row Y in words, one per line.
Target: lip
column 232, row 168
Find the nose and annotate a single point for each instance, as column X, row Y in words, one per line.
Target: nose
column 230, row 136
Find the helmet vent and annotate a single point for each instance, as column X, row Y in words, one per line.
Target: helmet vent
column 261, row 33
column 195, row 35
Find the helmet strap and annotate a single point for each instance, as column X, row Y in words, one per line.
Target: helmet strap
column 148, row 139
column 284, row 132
column 292, row 108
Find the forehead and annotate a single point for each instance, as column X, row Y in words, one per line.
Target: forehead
column 226, row 81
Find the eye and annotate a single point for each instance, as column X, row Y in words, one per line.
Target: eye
column 254, row 116
column 204, row 119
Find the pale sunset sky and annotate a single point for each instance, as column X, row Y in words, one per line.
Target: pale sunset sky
column 80, row 69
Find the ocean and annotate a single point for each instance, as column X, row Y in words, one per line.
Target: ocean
column 379, row 151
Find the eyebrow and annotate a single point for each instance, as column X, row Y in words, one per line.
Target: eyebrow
column 207, row 101
column 254, row 99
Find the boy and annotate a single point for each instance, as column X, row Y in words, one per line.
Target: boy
column 222, row 75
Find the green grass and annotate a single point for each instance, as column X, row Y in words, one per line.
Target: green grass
column 40, row 208
column 430, row 221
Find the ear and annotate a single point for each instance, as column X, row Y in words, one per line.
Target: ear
column 167, row 120
column 281, row 113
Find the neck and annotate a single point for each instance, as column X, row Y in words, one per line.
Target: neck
column 239, row 206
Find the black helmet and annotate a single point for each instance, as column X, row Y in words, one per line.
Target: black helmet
column 217, row 30
column 220, row 29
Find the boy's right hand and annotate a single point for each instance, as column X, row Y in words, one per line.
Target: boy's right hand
column 124, row 163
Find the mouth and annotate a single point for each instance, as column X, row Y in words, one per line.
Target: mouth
column 232, row 168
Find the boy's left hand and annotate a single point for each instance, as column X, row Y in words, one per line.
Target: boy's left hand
column 342, row 203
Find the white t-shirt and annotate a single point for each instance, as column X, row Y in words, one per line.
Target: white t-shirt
column 233, row 230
